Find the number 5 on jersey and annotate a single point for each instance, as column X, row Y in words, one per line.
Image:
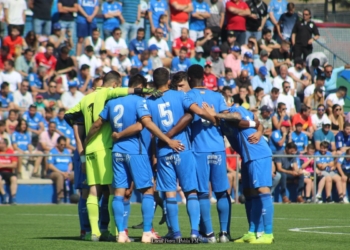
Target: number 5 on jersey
column 166, row 113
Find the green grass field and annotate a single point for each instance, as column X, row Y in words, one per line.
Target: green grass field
column 56, row 227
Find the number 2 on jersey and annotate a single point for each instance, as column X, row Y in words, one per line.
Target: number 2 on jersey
column 119, row 110
column 166, row 113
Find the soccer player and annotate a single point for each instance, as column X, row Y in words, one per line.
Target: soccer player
column 166, row 111
column 256, row 172
column 97, row 154
column 130, row 158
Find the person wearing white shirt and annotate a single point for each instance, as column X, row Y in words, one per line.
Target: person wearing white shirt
column 282, row 77
column 300, row 76
column 14, row 11
column 22, row 98
column 10, row 75
column 163, row 48
column 115, row 43
column 287, row 98
column 122, row 63
column 336, row 98
column 318, row 118
column 309, row 90
column 271, row 100
column 90, row 59
column 72, row 97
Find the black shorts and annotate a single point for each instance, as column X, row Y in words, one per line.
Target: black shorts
column 7, row 176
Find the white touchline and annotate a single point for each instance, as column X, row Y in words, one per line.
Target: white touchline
column 307, row 230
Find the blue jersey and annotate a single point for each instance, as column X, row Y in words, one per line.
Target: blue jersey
column 300, row 140
column 278, row 8
column 21, row 139
column 60, row 162
column 35, row 81
column 178, row 65
column 147, row 139
column 81, row 82
column 205, row 136
column 135, row 62
column 198, row 24
column 238, row 138
column 345, row 164
column 276, row 136
column 61, row 125
column 137, row 46
column 33, row 122
column 157, row 8
column 164, row 29
column 248, row 67
column 166, row 112
column 5, row 101
column 324, row 159
column 224, row 82
column 341, row 140
column 114, row 22
column 121, row 113
column 130, row 8
column 89, row 8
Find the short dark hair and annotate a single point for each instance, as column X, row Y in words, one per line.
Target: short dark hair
column 116, row 29
column 226, row 88
column 61, row 110
column 177, row 77
column 291, row 145
column 320, row 105
column 61, row 138
column 195, row 72
column 290, row 6
column 50, row 45
column 84, row 67
column 315, row 63
column 48, row 110
column 10, row 62
column 304, row 108
column 64, row 50
column 111, row 76
column 324, row 144
column 311, row 146
column 72, row 74
column 257, row 90
column 140, row 30
column 161, row 77
column 280, row 104
column 346, row 124
column 266, row 31
column 4, row 85
column 343, row 88
column 133, row 71
column 137, row 80
column 228, row 70
column 275, row 90
column 28, row 50
column 183, row 48
column 308, row 10
column 284, row 83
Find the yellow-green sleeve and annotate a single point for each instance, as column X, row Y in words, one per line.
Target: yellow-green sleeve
column 116, row 92
column 73, row 114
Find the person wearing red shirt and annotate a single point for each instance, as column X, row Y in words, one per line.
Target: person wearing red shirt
column 304, row 117
column 15, row 42
column 7, row 166
column 231, row 169
column 210, row 80
column 4, row 56
column 179, row 14
column 47, row 59
column 184, row 41
column 236, row 12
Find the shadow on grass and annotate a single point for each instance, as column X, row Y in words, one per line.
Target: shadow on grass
column 75, row 238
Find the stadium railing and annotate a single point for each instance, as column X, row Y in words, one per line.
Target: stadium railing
column 284, row 156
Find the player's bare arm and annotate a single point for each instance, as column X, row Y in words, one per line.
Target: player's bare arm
column 129, row 131
column 174, row 144
column 202, row 113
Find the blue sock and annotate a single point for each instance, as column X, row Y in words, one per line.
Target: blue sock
column 267, row 212
column 223, row 206
column 248, row 209
column 127, row 213
column 255, row 214
column 84, row 216
column 172, row 211
column 80, row 204
column 205, row 225
column 104, row 214
column 147, row 211
column 118, row 211
column 193, row 212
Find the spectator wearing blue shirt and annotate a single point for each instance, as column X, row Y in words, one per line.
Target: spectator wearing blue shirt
column 247, row 65
column 22, row 144
column 181, row 62
column 84, row 79
column 325, row 163
column 38, row 82
column 35, row 121
column 324, row 134
column 280, row 116
column 143, row 63
column 200, row 13
column 112, row 17
column 286, row 23
column 86, row 21
column 60, row 167
column 138, row 45
column 299, row 138
column 132, row 16
column 156, row 8
column 343, row 168
column 228, row 81
column 164, row 26
column 61, row 124
column 279, row 138
column 275, row 9
column 342, row 139
column 331, row 77
column 6, row 100
column 198, row 57
column 261, row 80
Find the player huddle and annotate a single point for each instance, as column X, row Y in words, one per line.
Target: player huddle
column 116, row 147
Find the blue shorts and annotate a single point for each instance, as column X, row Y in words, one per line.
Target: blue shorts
column 128, row 168
column 80, row 181
column 181, row 166
column 85, row 29
column 257, row 173
column 211, row 167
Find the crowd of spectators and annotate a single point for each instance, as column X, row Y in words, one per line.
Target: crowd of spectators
column 258, row 56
